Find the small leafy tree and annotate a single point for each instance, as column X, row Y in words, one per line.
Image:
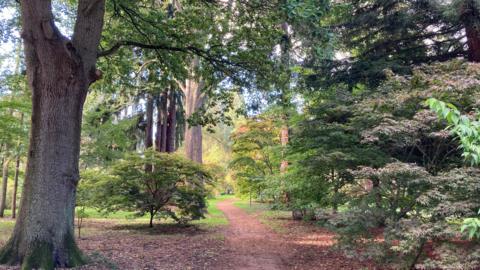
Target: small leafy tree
column 175, row 187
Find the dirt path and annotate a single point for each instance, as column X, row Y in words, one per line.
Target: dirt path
column 250, row 244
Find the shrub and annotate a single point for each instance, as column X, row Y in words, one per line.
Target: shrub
column 157, row 184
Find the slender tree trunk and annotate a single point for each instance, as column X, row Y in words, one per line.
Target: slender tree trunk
column 17, row 172
column 164, row 117
column 285, row 102
column 172, row 121
column 15, row 187
column 149, row 124
column 3, row 194
column 149, row 128
column 158, row 134
column 59, row 72
column 152, row 215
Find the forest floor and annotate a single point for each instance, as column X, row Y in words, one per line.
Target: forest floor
column 234, row 236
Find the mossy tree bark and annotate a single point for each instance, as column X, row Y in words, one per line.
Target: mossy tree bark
column 59, row 71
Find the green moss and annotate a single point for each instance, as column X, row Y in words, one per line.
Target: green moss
column 40, row 256
column 8, row 254
column 75, row 256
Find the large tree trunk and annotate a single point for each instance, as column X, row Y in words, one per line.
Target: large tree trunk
column 171, row 121
column 193, row 102
column 3, row 191
column 15, row 187
column 59, row 72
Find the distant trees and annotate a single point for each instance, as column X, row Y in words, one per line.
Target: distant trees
column 255, row 156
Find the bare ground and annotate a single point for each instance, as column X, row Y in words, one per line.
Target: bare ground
column 246, row 243
column 252, row 245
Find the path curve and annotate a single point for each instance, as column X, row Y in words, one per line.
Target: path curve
column 250, row 244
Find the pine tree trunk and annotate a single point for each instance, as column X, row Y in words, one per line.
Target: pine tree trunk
column 149, row 128
column 3, row 191
column 158, row 134
column 59, row 71
column 193, row 102
column 15, row 187
column 172, row 122
column 164, row 117
column 149, row 121
column 193, row 143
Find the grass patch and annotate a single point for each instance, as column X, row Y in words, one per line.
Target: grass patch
column 6, row 228
column 256, row 207
column 95, row 213
column 214, row 216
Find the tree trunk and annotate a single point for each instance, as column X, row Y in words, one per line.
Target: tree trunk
column 164, row 117
column 285, row 102
column 171, row 121
column 149, row 123
column 149, row 128
column 152, row 215
column 470, row 16
column 17, row 172
column 59, row 73
column 473, row 41
column 193, row 102
column 15, row 187
column 3, row 191
column 158, row 134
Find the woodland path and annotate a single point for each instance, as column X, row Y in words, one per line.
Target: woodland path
column 249, row 243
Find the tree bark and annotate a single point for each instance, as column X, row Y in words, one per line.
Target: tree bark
column 473, row 41
column 17, row 172
column 15, row 187
column 3, row 191
column 470, row 16
column 171, row 121
column 193, row 102
column 59, row 73
column 164, row 117
column 149, row 126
